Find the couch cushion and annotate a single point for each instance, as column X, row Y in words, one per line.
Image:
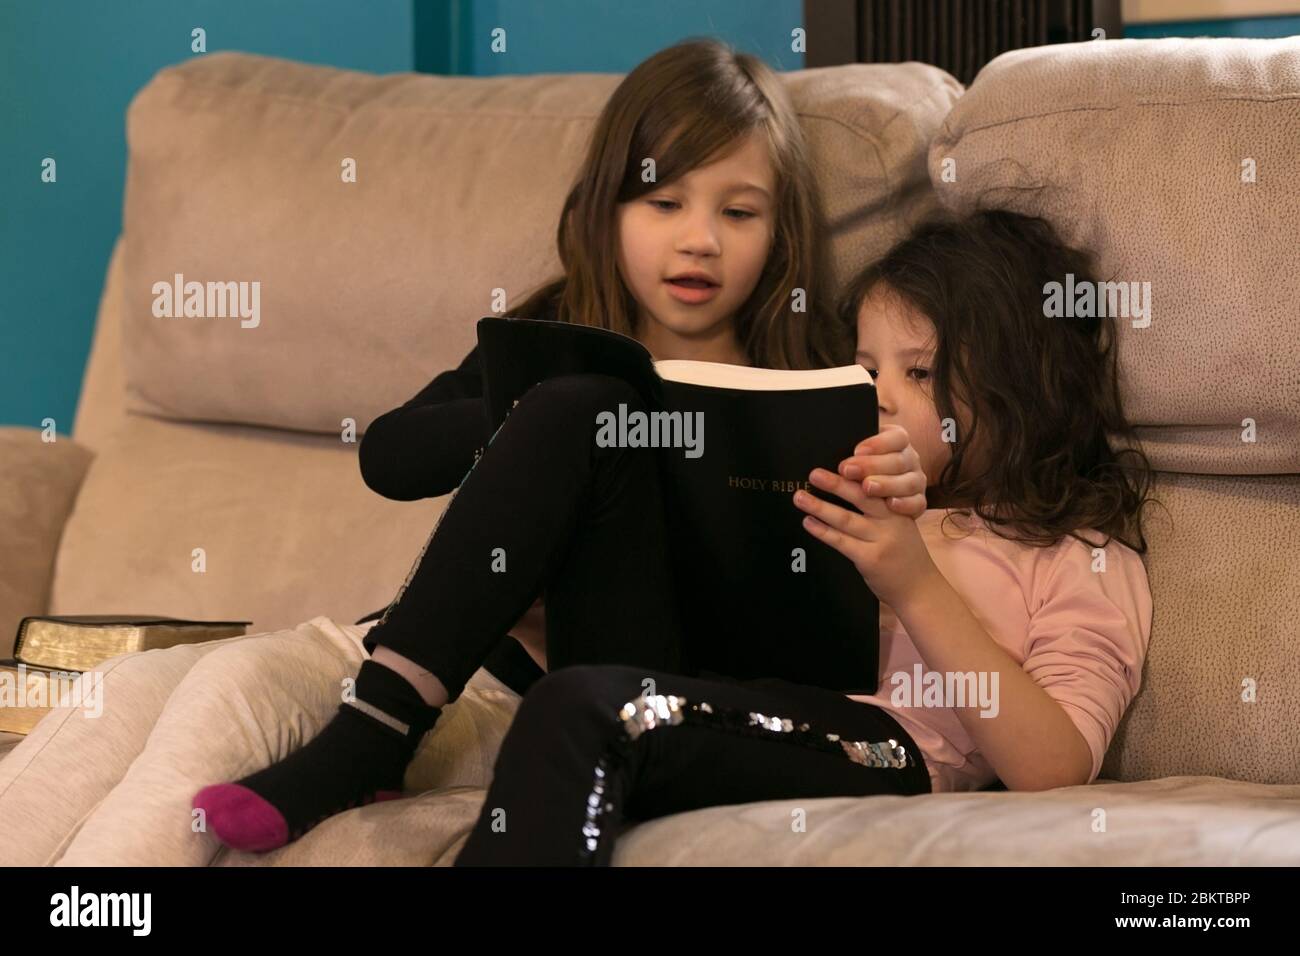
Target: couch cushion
column 1220, row 691
column 287, row 528
column 39, row 481
column 1177, row 821
column 1135, row 149
column 367, row 289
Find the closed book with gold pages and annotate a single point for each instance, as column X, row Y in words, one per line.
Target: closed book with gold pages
column 81, row 641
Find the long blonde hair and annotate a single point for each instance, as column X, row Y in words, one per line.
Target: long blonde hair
column 685, row 106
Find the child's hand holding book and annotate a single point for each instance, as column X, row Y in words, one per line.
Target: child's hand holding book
column 887, row 466
column 883, row 542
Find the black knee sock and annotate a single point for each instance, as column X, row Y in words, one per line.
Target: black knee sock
column 364, row 750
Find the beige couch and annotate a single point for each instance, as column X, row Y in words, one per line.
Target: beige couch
column 199, row 433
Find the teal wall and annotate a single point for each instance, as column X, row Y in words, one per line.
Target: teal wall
column 603, row 36
column 68, row 69
column 1260, row 27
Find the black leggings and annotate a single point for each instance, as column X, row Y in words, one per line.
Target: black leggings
column 545, row 511
column 595, row 748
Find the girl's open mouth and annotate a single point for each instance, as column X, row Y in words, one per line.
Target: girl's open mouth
column 692, row 291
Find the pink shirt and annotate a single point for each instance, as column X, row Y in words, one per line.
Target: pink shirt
column 1080, row 633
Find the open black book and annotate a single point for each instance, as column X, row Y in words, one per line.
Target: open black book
column 760, row 596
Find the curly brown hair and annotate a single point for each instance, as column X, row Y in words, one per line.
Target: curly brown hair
column 686, row 106
column 1043, row 393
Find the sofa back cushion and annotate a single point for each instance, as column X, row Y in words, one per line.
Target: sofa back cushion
column 1175, row 161
column 325, row 299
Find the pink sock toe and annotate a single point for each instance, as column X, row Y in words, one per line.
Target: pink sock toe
column 241, row 819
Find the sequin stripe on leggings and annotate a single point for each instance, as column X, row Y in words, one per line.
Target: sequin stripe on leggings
column 427, row 541
column 650, row 711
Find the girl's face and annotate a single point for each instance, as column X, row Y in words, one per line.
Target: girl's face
column 896, row 345
column 716, row 220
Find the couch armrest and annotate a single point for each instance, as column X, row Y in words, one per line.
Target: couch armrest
column 39, row 482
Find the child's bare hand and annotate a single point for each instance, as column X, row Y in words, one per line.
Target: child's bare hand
column 887, row 466
column 885, row 547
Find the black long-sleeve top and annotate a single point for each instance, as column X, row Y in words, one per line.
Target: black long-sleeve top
column 425, row 446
